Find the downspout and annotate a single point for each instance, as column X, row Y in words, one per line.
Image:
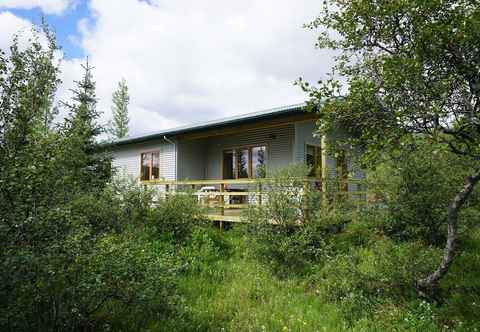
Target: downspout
column 175, row 153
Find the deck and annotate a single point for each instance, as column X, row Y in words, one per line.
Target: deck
column 226, row 200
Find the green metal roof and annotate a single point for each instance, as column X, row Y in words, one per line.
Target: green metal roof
column 249, row 117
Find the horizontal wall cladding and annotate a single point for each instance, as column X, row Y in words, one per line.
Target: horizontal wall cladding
column 304, row 134
column 191, row 159
column 126, row 159
column 279, row 143
column 202, row 158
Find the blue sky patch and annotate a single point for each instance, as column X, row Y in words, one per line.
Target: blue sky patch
column 64, row 25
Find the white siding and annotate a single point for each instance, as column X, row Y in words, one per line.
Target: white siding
column 126, row 159
column 279, row 143
column 304, row 134
column 191, row 159
column 202, row 159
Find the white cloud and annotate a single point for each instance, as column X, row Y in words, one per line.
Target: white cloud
column 187, row 61
column 47, row 6
column 11, row 25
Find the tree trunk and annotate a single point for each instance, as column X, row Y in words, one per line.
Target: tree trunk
column 428, row 286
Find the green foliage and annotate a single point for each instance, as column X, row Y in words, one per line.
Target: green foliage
column 69, row 259
column 204, row 248
column 288, row 230
column 132, row 280
column 410, row 67
column 91, row 166
column 88, row 265
column 416, row 187
column 173, row 217
column 362, row 286
column 410, row 74
column 284, row 205
column 120, row 99
column 240, row 294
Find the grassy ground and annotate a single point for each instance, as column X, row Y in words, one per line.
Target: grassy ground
column 239, row 294
column 236, row 292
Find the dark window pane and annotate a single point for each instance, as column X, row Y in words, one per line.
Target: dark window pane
column 310, row 159
column 155, row 166
column 229, row 165
column 145, row 171
column 242, row 163
column 258, row 161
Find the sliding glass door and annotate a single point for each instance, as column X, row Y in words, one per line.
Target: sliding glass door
column 244, row 162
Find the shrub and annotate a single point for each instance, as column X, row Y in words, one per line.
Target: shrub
column 365, row 277
column 416, row 187
column 84, row 267
column 203, row 250
column 282, row 233
column 132, row 280
column 135, row 201
column 174, row 217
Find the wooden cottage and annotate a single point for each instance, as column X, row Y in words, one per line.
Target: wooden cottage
column 216, row 158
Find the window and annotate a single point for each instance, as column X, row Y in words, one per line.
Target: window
column 229, row 165
column 150, row 166
column 258, row 162
column 244, row 162
column 313, row 159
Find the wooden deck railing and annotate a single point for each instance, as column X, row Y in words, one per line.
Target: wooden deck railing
column 228, row 198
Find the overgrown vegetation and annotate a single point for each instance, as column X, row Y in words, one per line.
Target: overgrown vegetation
column 83, row 250
column 406, row 72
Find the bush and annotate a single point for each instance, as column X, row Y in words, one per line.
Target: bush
column 205, row 247
column 282, row 233
column 416, row 187
column 132, row 279
column 175, row 217
column 364, row 278
column 86, row 266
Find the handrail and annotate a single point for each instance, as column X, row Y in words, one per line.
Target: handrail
column 234, row 181
column 229, row 203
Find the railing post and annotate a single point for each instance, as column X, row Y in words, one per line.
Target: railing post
column 259, row 193
column 324, row 173
column 222, row 203
column 306, row 189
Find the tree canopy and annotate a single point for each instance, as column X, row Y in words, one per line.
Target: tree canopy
column 120, row 99
column 404, row 70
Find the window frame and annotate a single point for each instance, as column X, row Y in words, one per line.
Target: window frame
column 238, row 148
column 150, row 164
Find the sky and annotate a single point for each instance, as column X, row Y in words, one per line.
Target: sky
column 185, row 60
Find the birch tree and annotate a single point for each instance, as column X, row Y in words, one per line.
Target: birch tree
column 405, row 69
